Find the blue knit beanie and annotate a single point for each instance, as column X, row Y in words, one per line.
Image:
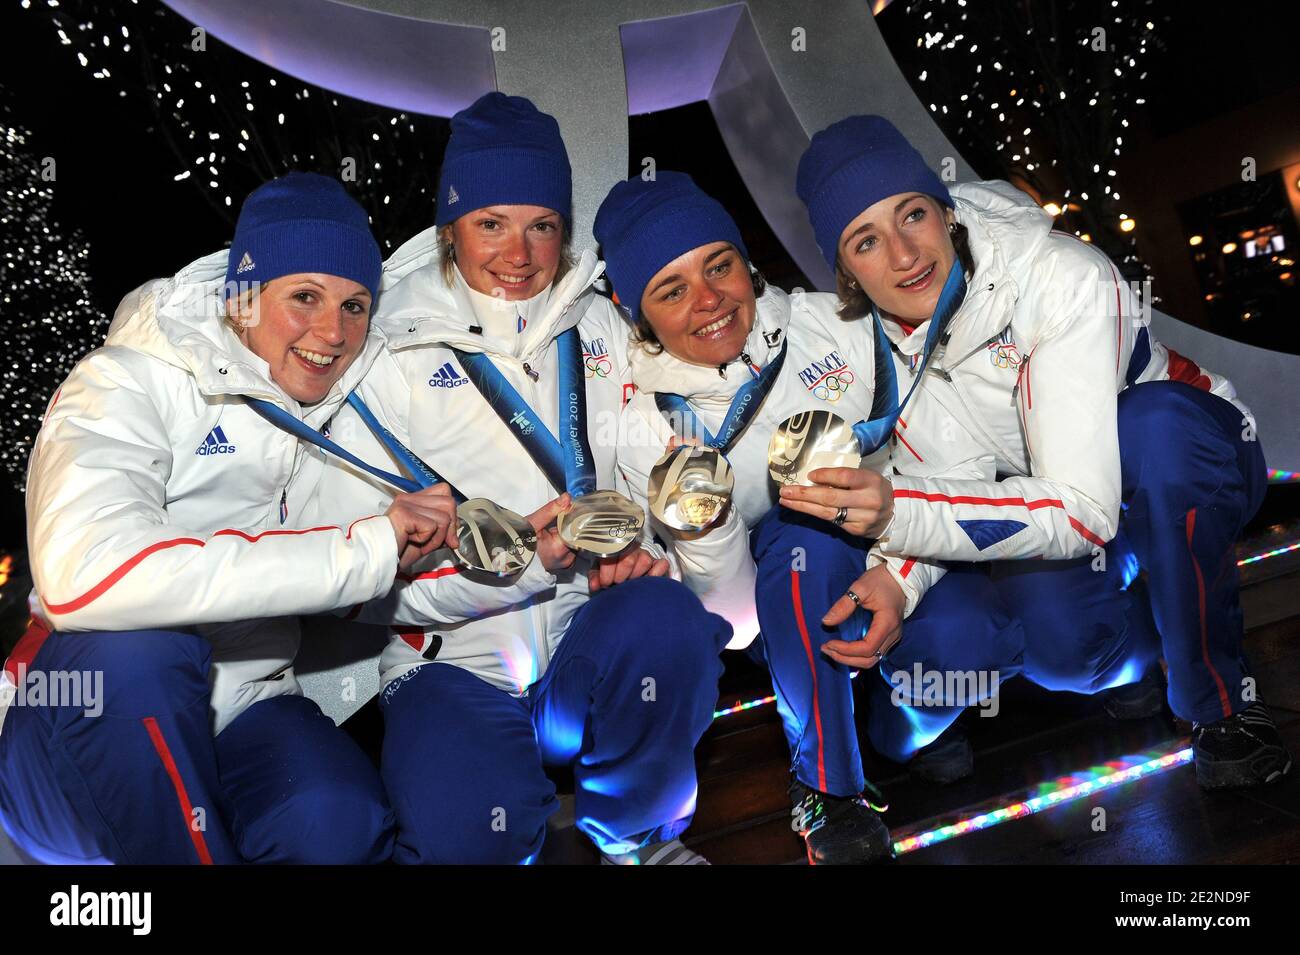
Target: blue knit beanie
column 642, row 226
column 853, row 164
column 302, row 222
column 503, row 151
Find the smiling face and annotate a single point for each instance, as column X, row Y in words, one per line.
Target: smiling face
column 512, row 252
column 899, row 252
column 308, row 328
column 701, row 305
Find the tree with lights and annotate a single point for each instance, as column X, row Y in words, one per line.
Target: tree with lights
column 1041, row 94
column 49, row 319
column 231, row 123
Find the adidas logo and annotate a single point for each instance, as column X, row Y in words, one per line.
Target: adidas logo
column 446, row 377
column 452, row 197
column 245, row 264
column 215, row 443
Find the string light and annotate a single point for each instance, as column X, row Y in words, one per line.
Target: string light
column 1048, row 795
column 740, row 707
column 1277, row 552
column 1020, row 137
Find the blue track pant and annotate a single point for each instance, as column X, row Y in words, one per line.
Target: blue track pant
column 805, row 565
column 144, row 781
column 630, row 691
column 1193, row 475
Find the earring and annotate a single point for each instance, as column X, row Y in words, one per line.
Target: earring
column 952, row 228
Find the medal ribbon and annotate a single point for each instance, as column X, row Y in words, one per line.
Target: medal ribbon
column 422, row 475
column 744, row 405
column 567, row 461
column 886, row 409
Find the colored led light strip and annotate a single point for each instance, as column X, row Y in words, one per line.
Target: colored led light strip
column 1276, row 476
column 1271, row 553
column 744, row 706
column 1047, row 796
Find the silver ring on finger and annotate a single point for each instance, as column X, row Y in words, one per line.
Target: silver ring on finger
column 841, row 516
column 857, row 601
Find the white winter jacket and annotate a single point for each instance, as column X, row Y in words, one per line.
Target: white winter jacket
column 1025, row 390
column 503, row 631
column 158, row 499
column 829, row 365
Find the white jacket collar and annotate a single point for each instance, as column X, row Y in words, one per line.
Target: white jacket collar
column 656, row 372
column 180, row 321
column 417, row 307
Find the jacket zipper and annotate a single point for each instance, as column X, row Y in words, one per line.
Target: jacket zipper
column 947, row 376
column 744, row 357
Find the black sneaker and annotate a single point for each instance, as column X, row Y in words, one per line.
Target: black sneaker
column 946, row 760
column 1140, row 700
column 840, row 830
column 1243, row 750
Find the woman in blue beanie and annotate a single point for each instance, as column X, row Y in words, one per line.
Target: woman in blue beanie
column 174, row 538
column 1035, row 363
column 506, row 372
column 721, row 358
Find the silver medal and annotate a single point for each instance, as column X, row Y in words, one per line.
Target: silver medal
column 600, row 523
column 689, row 487
column 494, row 539
column 808, row 441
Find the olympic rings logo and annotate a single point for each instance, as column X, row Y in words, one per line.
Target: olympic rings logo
column 1005, row 356
column 833, row 386
column 598, row 366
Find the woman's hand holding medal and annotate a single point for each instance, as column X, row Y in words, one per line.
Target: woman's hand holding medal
column 632, row 563
column 857, row 499
column 423, row 522
column 554, row 554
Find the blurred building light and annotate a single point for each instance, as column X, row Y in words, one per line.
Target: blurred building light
column 1127, row 225
column 1196, row 240
column 1052, row 209
column 1229, row 248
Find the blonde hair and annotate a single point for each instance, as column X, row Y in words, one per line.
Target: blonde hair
column 238, row 306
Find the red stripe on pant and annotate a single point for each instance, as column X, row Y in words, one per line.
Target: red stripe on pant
column 187, row 810
column 812, row 667
column 1200, row 599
